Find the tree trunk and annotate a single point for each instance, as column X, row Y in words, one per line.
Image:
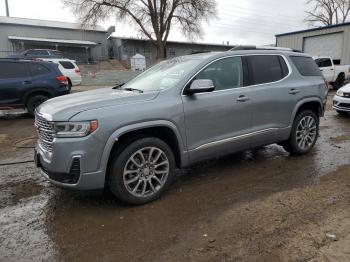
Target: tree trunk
column 160, row 51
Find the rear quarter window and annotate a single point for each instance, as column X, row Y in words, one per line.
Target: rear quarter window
column 37, row 69
column 67, row 65
column 306, row 66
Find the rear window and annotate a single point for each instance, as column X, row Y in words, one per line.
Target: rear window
column 13, row 70
column 67, row 65
column 306, row 66
column 36, row 52
column 323, row 62
column 37, row 69
column 266, row 68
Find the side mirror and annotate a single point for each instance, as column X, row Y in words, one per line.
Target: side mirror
column 201, row 86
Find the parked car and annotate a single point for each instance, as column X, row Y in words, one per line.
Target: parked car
column 27, row 84
column 38, row 53
column 334, row 74
column 69, row 69
column 188, row 109
column 341, row 101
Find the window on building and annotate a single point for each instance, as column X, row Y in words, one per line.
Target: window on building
column 226, row 73
column 13, row 70
column 306, row 66
column 37, row 69
column 67, row 65
column 266, row 69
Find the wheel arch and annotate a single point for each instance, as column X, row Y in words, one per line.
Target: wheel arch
column 313, row 104
column 163, row 130
column 40, row 91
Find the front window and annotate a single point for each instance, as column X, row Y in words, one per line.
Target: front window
column 226, row 73
column 164, row 75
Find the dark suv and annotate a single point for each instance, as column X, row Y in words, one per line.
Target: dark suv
column 26, row 84
column 38, row 53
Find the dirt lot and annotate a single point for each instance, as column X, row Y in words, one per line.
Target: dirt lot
column 260, row 205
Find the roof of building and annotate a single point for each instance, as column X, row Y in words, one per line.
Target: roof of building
column 47, row 23
column 314, row 29
column 52, row 40
column 176, row 42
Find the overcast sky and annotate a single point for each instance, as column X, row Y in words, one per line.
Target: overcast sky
column 239, row 21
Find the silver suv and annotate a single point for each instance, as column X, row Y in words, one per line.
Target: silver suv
column 132, row 137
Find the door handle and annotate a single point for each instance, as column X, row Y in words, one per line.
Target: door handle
column 332, row 69
column 26, row 82
column 294, row 91
column 242, row 99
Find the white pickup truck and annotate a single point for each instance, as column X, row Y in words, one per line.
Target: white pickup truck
column 334, row 74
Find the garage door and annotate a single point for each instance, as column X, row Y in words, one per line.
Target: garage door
column 325, row 45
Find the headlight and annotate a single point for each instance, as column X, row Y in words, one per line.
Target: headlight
column 340, row 93
column 74, row 129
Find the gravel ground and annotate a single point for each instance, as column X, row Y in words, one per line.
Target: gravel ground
column 259, row 205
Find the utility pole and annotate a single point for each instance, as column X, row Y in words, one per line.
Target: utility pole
column 7, row 8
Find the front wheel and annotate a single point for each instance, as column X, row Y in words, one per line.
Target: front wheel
column 304, row 133
column 142, row 171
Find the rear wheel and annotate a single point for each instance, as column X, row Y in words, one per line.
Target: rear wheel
column 339, row 82
column 34, row 101
column 304, row 133
column 69, row 86
column 142, row 171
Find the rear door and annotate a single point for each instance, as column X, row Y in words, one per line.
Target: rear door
column 217, row 122
column 15, row 79
column 327, row 68
column 273, row 96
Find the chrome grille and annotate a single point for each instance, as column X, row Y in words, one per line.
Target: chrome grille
column 45, row 132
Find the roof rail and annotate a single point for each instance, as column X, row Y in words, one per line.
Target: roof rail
column 252, row 47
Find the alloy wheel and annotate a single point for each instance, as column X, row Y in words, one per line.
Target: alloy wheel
column 306, row 132
column 146, row 172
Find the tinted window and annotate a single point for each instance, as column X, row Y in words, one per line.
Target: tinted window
column 37, row 69
column 266, row 68
column 57, row 53
column 226, row 73
column 67, row 65
column 13, row 70
column 36, row 52
column 306, row 66
column 323, row 62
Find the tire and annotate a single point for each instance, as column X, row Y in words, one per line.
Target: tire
column 33, row 102
column 339, row 82
column 295, row 144
column 135, row 181
column 69, row 86
column 343, row 113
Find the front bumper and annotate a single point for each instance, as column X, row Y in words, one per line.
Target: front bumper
column 341, row 103
column 69, row 168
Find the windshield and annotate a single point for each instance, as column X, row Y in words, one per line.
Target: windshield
column 165, row 74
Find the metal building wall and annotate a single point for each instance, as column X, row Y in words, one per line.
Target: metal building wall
column 296, row 41
column 100, row 52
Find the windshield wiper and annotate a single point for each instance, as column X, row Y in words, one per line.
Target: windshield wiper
column 120, row 87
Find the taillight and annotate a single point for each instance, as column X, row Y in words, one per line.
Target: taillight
column 77, row 70
column 62, row 79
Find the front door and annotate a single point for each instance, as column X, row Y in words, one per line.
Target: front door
column 218, row 122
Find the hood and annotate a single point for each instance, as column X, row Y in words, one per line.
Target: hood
column 64, row 107
column 346, row 88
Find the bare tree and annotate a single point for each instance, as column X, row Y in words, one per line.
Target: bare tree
column 154, row 18
column 328, row 12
